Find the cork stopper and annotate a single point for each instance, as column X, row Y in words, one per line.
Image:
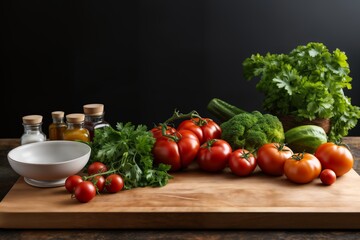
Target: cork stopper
column 94, row 109
column 57, row 114
column 75, row 117
column 32, row 119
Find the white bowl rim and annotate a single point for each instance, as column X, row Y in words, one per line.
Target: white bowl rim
column 48, row 142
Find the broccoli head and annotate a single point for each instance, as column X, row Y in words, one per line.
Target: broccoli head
column 252, row 130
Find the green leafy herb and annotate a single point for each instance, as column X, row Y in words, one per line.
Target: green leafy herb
column 127, row 150
column 307, row 83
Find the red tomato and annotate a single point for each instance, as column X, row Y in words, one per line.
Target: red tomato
column 157, row 131
column 85, row 191
column 71, row 182
column 242, row 162
column 96, row 167
column 204, row 128
column 213, row 155
column 271, row 158
column 99, row 182
column 302, row 168
column 114, row 183
column 178, row 151
column 335, row 157
column 327, row 176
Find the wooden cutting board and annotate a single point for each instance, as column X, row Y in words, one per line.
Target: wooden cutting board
column 193, row 200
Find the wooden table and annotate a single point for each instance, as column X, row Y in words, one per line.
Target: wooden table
column 8, row 178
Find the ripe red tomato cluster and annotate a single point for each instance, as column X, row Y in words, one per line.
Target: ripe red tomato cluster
column 179, row 147
column 85, row 188
column 328, row 162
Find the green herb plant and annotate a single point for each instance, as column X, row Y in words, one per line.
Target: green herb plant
column 307, row 84
column 127, row 149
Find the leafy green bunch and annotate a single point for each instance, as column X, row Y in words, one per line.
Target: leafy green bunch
column 128, row 151
column 307, row 84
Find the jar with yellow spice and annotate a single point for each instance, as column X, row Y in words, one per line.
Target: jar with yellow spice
column 75, row 130
column 58, row 126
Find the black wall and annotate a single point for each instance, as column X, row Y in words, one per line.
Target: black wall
column 143, row 59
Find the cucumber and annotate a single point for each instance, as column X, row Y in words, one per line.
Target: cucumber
column 222, row 110
column 305, row 138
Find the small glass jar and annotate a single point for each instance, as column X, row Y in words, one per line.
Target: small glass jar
column 58, row 126
column 94, row 118
column 32, row 129
column 75, row 130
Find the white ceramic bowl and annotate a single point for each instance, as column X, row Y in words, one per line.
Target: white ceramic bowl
column 49, row 163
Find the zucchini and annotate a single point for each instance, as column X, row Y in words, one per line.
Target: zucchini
column 223, row 110
column 305, row 138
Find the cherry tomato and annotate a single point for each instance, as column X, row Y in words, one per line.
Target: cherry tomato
column 114, row 183
column 242, row 162
column 302, row 168
column 335, row 157
column 99, row 182
column 204, row 128
column 96, row 167
column 177, row 150
column 327, row 176
column 213, row 155
column 71, row 182
column 85, row 191
column 157, row 131
column 271, row 158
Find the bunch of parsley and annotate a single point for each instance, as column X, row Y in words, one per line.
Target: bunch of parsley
column 127, row 151
column 307, row 83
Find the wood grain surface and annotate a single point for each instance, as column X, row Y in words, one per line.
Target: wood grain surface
column 193, row 200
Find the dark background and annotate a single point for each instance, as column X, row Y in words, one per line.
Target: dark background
column 143, row 59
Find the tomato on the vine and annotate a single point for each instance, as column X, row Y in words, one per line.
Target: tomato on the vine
column 204, row 128
column 157, row 131
column 213, row 155
column 99, row 182
column 177, row 150
column 71, row 182
column 302, row 168
column 242, row 162
column 114, row 183
column 85, row 191
column 271, row 158
column 335, row 157
column 96, row 167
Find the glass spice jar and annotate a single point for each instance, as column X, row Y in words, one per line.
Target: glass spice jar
column 94, row 118
column 32, row 129
column 75, row 130
column 58, row 126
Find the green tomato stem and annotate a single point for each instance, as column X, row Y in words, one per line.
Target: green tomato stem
column 298, row 156
column 99, row 174
column 193, row 114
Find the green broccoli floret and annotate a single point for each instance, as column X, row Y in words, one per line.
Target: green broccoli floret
column 252, row 130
